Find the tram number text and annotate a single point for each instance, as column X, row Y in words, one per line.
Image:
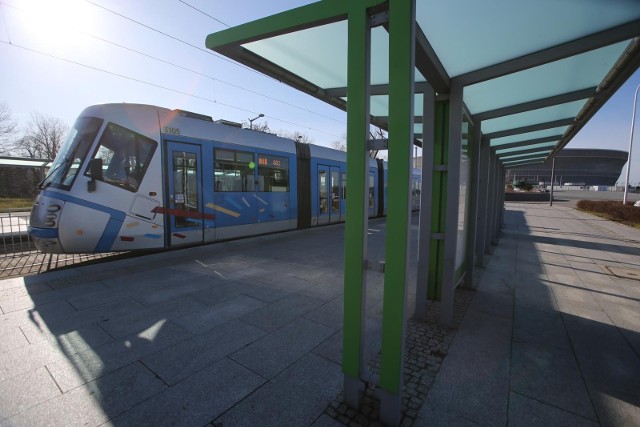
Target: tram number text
column 171, row 131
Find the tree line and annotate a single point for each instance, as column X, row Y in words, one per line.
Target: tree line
column 39, row 138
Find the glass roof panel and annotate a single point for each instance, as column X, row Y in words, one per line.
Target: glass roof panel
column 527, row 147
column 541, row 115
column 529, row 135
column 317, row 54
column 568, row 75
column 380, row 105
column 469, row 34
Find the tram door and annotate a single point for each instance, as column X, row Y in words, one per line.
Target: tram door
column 186, row 225
column 329, row 204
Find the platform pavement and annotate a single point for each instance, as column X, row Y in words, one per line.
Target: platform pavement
column 249, row 333
column 552, row 337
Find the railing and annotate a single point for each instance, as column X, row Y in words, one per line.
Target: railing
column 13, row 233
column 18, row 254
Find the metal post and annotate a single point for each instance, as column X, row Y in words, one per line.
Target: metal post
column 453, row 203
column 426, row 194
column 358, row 77
column 474, row 183
column 553, row 179
column 402, row 24
column 483, row 206
column 633, row 121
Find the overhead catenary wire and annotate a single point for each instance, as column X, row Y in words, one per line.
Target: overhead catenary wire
column 141, row 81
column 213, row 101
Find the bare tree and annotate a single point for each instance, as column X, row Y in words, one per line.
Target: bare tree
column 42, row 137
column 296, row 136
column 340, row 144
column 7, row 129
column 260, row 127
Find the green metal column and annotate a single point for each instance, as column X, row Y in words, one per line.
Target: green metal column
column 401, row 95
column 439, row 199
column 453, row 203
column 357, row 202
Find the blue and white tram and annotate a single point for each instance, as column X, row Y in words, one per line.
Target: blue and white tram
column 132, row 177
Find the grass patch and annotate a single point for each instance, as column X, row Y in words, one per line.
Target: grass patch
column 612, row 210
column 13, row 204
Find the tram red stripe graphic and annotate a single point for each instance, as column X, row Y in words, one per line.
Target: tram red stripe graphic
column 127, row 238
column 182, row 213
column 179, row 236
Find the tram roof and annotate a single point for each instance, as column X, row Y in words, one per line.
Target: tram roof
column 533, row 72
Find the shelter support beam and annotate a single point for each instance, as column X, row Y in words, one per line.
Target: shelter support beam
column 491, row 203
column 453, row 201
column 555, row 53
column 474, row 184
column 538, row 103
column 426, row 194
column 402, row 15
column 483, row 206
column 357, row 204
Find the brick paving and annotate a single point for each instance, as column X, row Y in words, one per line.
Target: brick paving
column 426, row 346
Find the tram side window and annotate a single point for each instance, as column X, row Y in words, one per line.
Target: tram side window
column 234, row 171
column 273, row 173
column 125, row 156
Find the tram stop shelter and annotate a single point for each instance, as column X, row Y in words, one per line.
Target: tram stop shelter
column 481, row 86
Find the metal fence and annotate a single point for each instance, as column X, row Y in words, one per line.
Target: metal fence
column 13, row 232
column 18, row 254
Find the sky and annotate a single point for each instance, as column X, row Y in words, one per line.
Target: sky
column 58, row 57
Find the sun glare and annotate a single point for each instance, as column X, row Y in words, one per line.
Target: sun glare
column 58, row 23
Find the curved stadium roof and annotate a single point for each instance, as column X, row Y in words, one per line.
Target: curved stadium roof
column 579, row 166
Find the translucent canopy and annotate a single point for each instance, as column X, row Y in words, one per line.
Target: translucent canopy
column 532, row 72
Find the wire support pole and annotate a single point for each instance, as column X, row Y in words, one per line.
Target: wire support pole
column 633, row 121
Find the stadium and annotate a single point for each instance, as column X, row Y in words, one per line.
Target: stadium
column 575, row 167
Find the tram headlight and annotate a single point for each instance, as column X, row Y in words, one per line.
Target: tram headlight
column 51, row 218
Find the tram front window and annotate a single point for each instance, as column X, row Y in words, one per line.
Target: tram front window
column 125, row 156
column 72, row 153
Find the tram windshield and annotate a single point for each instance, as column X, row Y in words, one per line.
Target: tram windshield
column 125, row 156
column 72, row 153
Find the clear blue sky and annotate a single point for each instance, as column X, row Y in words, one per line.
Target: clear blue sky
column 84, row 32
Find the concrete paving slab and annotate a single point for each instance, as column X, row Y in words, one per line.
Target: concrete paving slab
column 274, row 352
column 177, row 362
column 550, row 375
column 536, row 294
column 24, row 391
column 538, row 327
column 77, row 369
column 95, row 403
column 140, row 320
column 277, row 403
column 210, row 317
column 527, row 412
column 282, row 312
column 196, row 400
column 479, row 391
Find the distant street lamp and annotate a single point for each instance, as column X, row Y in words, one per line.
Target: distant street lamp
column 255, row 118
column 633, row 121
